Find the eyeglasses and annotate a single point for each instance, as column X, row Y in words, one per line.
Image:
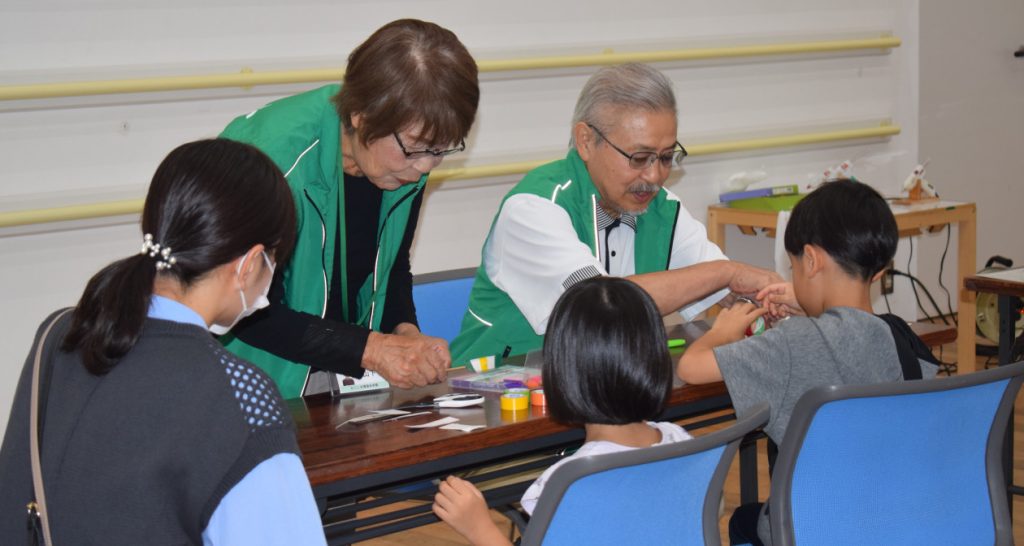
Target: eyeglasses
column 417, row 154
column 643, row 160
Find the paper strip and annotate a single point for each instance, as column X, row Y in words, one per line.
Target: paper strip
column 435, row 423
column 462, row 427
column 482, row 364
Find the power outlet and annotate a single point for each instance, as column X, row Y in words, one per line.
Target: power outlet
column 887, row 280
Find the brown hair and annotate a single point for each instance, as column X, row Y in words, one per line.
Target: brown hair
column 410, row 72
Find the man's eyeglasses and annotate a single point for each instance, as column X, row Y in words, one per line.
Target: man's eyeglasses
column 417, row 154
column 643, row 160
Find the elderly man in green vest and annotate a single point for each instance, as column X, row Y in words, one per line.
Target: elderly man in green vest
column 603, row 210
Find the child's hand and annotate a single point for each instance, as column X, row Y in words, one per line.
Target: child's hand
column 731, row 324
column 780, row 299
column 461, row 505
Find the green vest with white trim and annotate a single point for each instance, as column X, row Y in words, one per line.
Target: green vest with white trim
column 302, row 135
column 493, row 325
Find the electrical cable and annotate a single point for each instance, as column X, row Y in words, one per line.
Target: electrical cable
column 942, row 264
column 917, row 297
column 947, row 367
column 914, row 282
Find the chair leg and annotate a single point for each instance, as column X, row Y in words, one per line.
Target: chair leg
column 1011, row 489
column 519, row 519
column 748, row 468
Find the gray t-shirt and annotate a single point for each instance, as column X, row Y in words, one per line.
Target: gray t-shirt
column 842, row 346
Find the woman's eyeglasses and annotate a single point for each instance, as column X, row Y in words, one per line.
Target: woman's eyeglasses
column 417, row 154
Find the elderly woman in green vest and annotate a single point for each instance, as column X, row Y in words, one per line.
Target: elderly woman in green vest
column 603, row 210
column 357, row 157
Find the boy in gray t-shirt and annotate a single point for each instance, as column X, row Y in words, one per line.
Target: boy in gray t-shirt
column 839, row 240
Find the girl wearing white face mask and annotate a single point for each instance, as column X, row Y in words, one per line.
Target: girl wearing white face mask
column 148, row 419
column 260, row 303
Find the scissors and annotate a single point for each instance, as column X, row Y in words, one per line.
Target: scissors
column 453, row 400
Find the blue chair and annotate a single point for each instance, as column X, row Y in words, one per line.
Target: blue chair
column 915, row 462
column 441, row 300
column 666, row 494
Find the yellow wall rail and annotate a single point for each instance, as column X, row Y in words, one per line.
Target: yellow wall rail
column 248, row 78
column 505, row 169
column 72, row 212
column 134, row 206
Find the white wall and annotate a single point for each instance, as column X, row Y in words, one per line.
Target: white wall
column 972, row 124
column 90, row 149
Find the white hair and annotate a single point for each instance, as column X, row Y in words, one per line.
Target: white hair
column 631, row 85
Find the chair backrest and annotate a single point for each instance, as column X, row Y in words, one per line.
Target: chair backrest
column 910, row 462
column 666, row 494
column 441, row 300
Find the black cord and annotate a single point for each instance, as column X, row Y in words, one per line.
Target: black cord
column 946, row 367
column 917, row 297
column 914, row 282
column 886, row 298
column 942, row 264
column 910, row 258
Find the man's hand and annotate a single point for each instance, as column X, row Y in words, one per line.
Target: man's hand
column 407, row 360
column 461, row 505
column 749, row 280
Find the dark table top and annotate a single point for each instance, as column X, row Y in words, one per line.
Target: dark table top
column 382, row 451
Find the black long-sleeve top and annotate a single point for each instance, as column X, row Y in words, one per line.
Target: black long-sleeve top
column 331, row 343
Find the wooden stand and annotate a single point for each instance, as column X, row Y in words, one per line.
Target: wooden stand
column 911, row 221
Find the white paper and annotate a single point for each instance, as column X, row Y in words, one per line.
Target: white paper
column 373, row 415
column 407, row 415
column 435, row 423
column 462, row 427
column 1012, row 275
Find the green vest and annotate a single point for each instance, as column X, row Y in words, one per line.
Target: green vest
column 302, row 135
column 493, row 325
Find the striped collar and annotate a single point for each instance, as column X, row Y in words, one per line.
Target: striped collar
column 604, row 220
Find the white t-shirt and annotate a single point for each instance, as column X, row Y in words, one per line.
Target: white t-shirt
column 670, row 433
column 533, row 249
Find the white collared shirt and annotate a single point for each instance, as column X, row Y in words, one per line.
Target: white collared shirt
column 533, row 254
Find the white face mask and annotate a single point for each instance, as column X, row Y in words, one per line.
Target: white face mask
column 260, row 303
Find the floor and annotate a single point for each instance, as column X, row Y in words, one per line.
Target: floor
column 440, row 534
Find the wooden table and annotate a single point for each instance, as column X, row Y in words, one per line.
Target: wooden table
column 347, row 466
column 911, row 220
column 1009, row 287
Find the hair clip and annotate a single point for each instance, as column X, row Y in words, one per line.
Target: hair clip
column 164, row 260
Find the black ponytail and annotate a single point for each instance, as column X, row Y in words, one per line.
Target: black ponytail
column 210, row 201
column 106, row 323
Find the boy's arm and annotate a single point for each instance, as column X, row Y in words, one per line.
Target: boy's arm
column 698, row 364
column 461, row 505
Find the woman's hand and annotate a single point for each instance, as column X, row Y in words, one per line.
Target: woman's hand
column 461, row 505
column 407, row 360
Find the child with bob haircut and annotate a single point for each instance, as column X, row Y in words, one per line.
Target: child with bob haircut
column 607, row 369
column 840, row 238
